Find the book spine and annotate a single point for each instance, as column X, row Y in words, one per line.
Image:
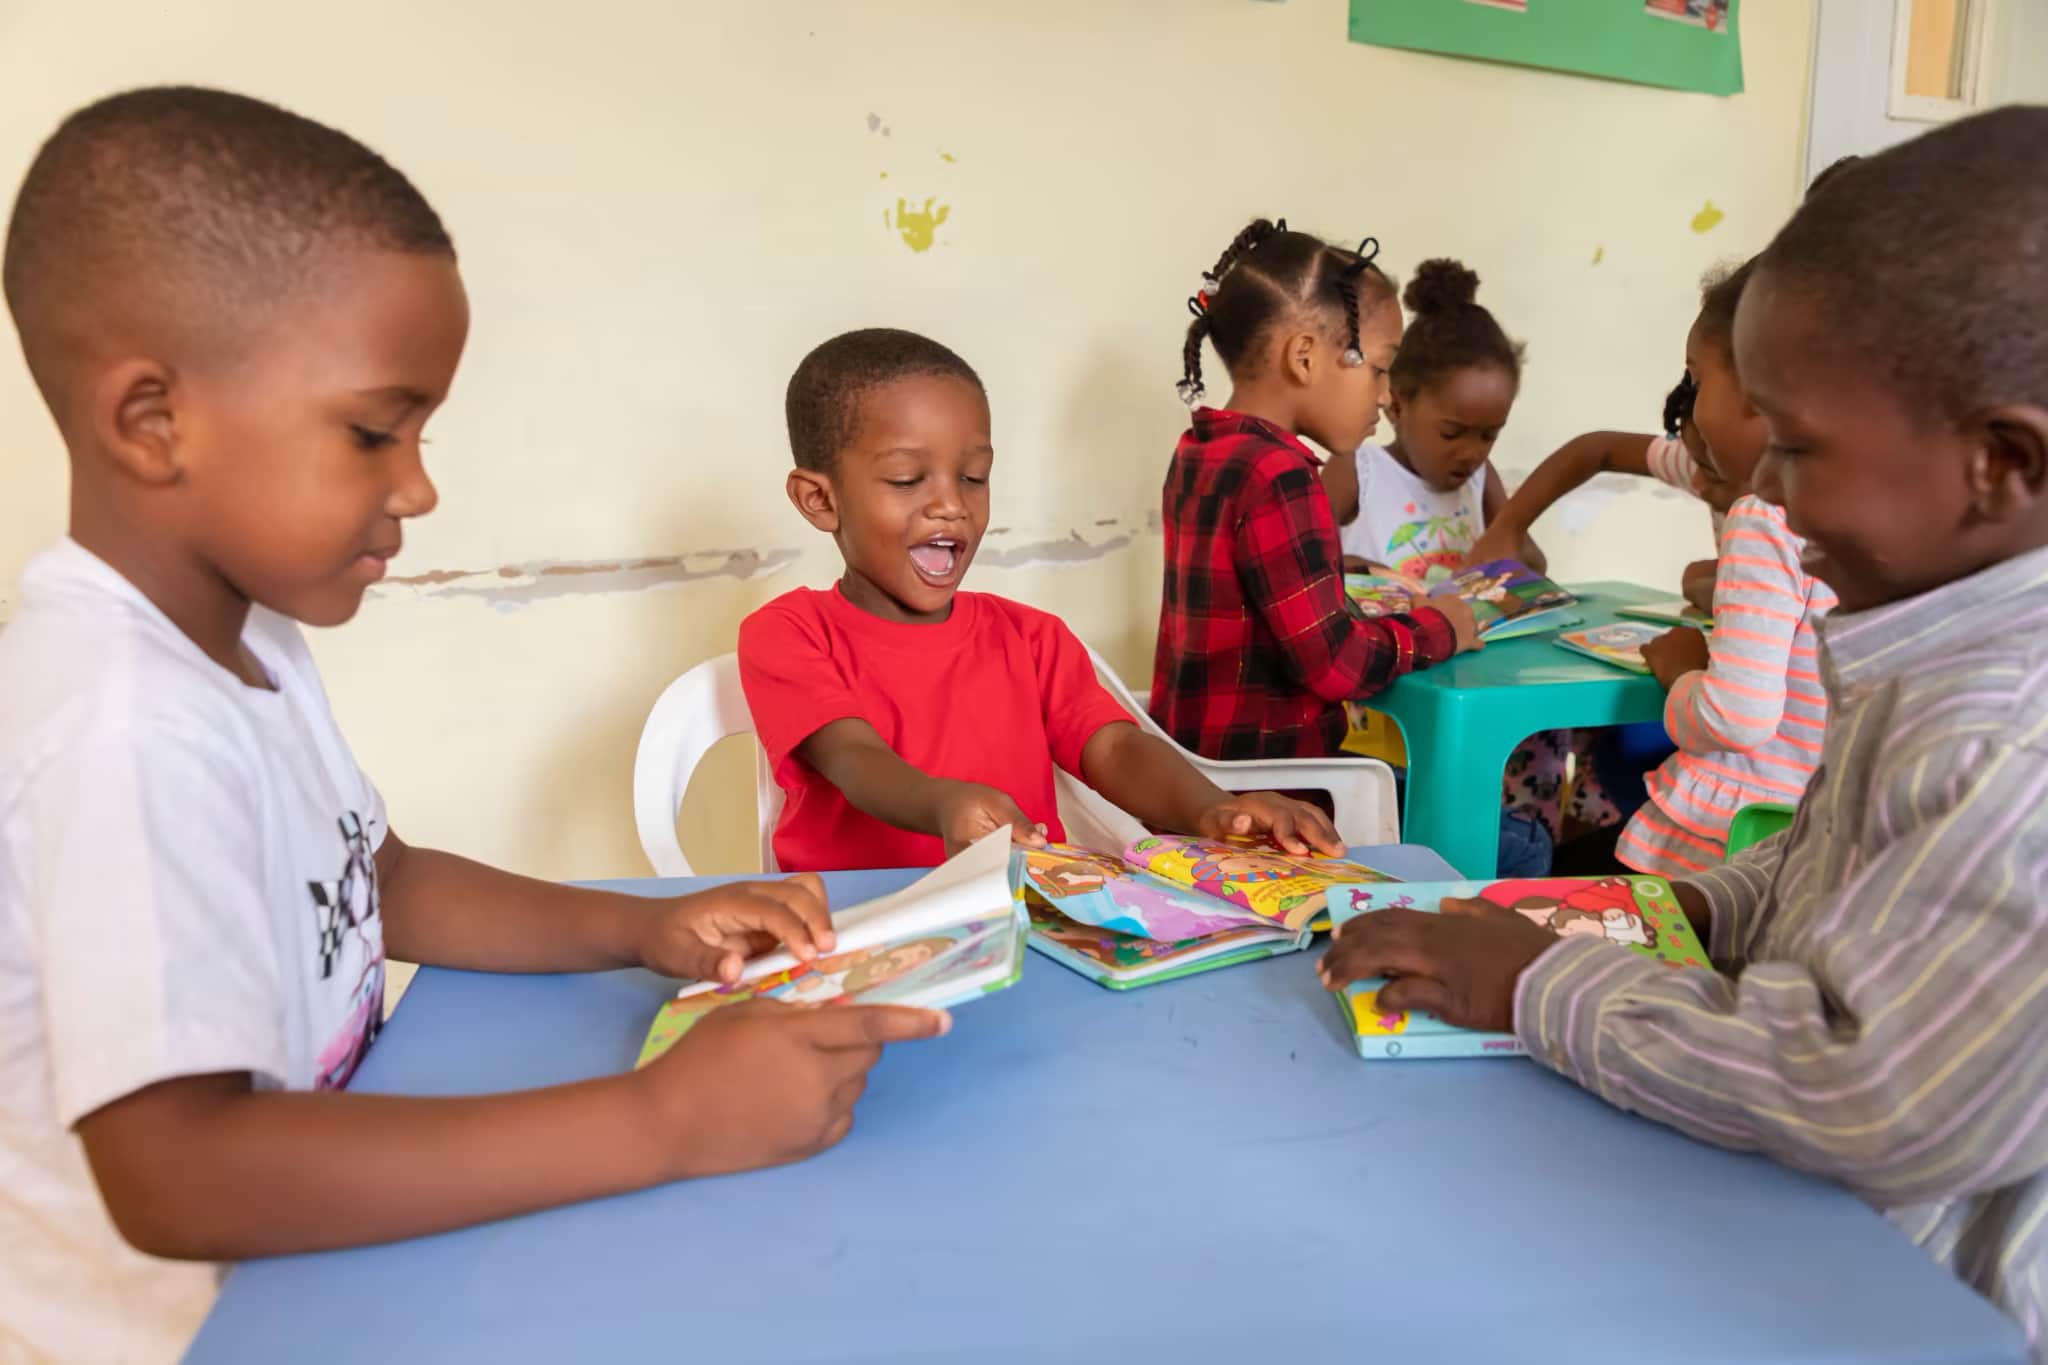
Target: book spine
column 1430, row 1046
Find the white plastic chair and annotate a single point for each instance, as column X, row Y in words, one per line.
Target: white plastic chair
column 1361, row 789
column 693, row 713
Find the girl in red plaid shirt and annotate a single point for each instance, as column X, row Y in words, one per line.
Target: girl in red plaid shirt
column 1258, row 645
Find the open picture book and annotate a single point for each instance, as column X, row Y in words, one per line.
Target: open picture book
column 1170, row 905
column 1676, row 612
column 1620, row 644
column 953, row 935
column 1638, row 914
column 1507, row 597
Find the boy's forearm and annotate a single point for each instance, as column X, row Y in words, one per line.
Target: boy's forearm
column 1144, row 776
column 205, row 1168
column 446, row 911
column 875, row 779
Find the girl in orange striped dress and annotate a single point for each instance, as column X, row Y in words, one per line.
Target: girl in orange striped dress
column 1746, row 708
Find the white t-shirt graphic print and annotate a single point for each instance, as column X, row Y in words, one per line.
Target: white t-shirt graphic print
column 187, row 886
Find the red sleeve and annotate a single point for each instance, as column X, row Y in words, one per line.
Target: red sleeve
column 792, row 688
column 1076, row 703
column 1286, row 562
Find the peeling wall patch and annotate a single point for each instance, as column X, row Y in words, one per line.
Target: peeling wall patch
column 518, row 585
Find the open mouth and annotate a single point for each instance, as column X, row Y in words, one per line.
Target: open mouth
column 937, row 561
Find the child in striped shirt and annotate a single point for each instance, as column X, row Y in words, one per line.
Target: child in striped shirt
column 1746, row 708
column 1877, row 1008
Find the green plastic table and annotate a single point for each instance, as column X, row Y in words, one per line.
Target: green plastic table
column 1462, row 720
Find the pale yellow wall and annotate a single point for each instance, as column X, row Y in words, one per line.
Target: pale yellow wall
column 660, row 206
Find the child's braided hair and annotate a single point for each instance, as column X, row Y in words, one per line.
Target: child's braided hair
column 1678, row 405
column 1266, row 273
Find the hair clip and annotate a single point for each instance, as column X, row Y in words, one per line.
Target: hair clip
column 1353, row 357
column 1190, row 391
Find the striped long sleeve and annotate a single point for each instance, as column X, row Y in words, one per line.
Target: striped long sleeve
column 1880, row 1012
column 1758, row 656
column 1749, row 727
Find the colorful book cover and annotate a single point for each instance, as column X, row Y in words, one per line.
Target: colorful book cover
column 1620, row 644
column 1122, row 961
column 1507, row 597
column 954, row 935
column 1174, row 904
column 1637, row 913
column 1275, row 886
column 1676, row 612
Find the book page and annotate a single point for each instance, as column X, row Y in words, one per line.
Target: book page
column 1127, row 955
column 1101, row 889
column 1503, row 590
column 973, row 883
column 1276, row 886
column 934, row 969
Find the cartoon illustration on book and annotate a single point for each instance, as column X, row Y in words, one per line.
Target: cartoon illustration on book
column 1507, row 597
column 1620, row 644
column 1174, row 904
column 1606, row 907
column 1637, row 914
column 954, row 935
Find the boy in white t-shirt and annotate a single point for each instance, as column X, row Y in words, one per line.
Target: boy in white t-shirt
column 240, row 321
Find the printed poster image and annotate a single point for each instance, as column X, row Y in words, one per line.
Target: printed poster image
column 1693, row 45
column 1711, row 15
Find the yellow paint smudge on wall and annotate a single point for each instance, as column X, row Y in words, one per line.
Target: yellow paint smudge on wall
column 947, row 157
column 1708, row 218
column 917, row 227
column 1599, row 254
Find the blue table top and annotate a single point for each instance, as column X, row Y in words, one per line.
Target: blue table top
column 1197, row 1171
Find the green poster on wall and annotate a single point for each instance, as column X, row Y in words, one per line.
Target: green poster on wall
column 1685, row 44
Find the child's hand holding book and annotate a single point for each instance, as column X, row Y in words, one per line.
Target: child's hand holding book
column 1675, row 653
column 1464, row 625
column 1460, row 965
column 968, row 810
column 1295, row 826
column 710, row 935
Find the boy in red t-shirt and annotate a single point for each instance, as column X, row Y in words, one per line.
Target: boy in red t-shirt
column 904, row 718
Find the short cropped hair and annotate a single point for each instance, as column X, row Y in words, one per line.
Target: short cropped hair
column 192, row 213
column 822, row 404
column 1930, row 262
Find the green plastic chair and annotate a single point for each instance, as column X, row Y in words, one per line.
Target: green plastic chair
column 1756, row 823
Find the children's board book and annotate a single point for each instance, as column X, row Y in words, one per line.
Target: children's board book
column 952, row 936
column 1620, row 644
column 1636, row 913
column 1508, row 598
column 1676, row 612
column 1171, row 905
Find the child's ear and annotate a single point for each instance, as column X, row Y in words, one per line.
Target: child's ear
column 1392, row 407
column 1298, row 357
column 134, row 410
column 811, row 493
column 2009, row 469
